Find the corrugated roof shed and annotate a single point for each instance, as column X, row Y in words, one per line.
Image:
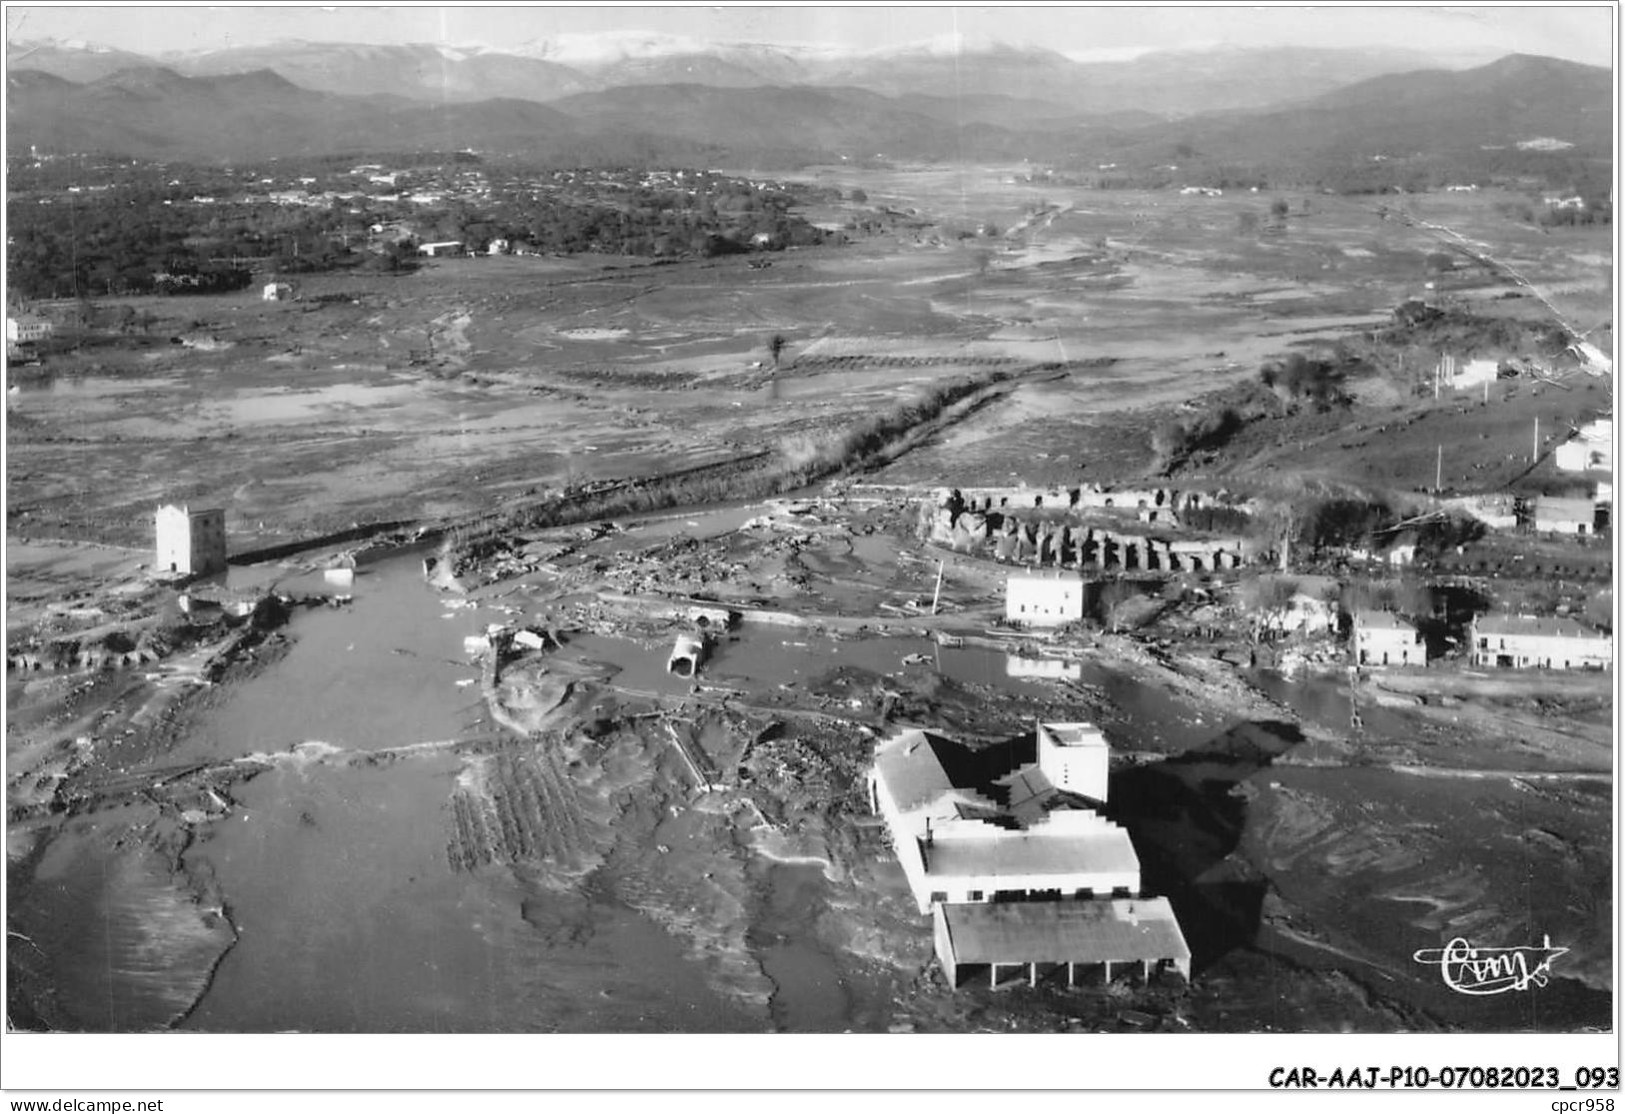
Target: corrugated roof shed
column 1544, row 625
column 1065, row 931
column 1032, row 851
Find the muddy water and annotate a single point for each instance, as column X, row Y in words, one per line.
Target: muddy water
column 380, row 672
column 1326, row 702
column 334, row 867
column 710, row 524
column 350, row 920
column 762, row 655
column 810, row 995
column 130, row 948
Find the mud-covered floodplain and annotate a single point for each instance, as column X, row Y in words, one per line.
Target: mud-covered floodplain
column 298, row 802
column 572, row 839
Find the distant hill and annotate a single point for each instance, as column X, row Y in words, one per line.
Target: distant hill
column 1516, row 98
column 1430, row 113
column 1190, row 82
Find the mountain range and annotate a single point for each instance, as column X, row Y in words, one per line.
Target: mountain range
column 1005, row 104
column 1165, row 82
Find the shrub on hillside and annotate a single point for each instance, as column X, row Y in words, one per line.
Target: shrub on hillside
column 1174, row 440
column 1340, row 522
column 1299, row 378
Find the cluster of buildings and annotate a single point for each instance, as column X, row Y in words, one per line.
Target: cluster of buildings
column 1495, row 641
column 1051, row 598
column 1018, row 869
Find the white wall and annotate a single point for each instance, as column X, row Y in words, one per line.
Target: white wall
column 1043, row 601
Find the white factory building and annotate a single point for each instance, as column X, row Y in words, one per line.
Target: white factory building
column 1022, row 871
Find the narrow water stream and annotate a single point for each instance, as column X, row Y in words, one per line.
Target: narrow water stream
column 810, row 995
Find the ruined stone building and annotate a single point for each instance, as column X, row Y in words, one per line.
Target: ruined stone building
column 191, row 543
column 1125, row 530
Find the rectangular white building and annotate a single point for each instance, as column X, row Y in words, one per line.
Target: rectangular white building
column 1531, row 642
column 1553, row 515
column 1043, row 597
column 191, row 543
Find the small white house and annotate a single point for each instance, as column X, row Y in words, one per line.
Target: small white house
column 1043, row 597
column 1401, row 551
column 441, row 247
column 499, row 246
column 277, row 292
column 1592, row 447
column 1553, row 515
column 1383, row 638
column 27, row 328
column 1468, row 375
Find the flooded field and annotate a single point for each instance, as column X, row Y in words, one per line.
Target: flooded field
column 340, row 887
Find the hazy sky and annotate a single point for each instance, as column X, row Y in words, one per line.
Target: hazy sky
column 1584, row 33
